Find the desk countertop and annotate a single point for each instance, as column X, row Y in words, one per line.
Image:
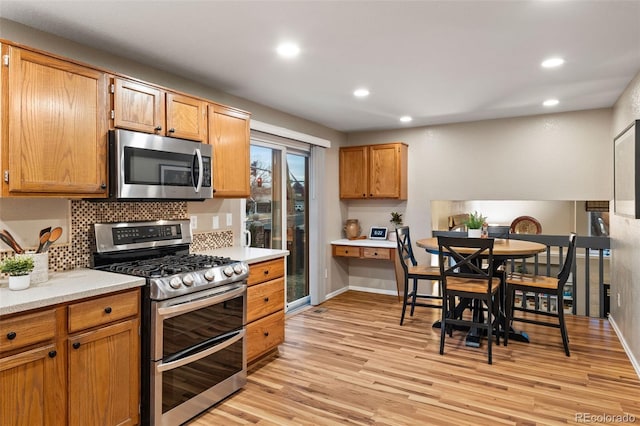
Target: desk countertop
column 365, row 243
column 248, row 254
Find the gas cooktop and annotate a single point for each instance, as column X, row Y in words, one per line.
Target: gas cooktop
column 167, row 265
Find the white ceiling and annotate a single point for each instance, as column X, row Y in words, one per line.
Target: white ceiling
column 437, row 61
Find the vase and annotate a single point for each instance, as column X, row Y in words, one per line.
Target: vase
column 352, row 228
column 19, row 282
column 474, row 233
column 391, row 236
column 40, row 273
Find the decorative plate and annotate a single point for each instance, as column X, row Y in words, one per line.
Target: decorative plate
column 526, row 225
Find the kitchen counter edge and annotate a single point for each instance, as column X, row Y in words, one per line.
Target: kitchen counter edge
column 247, row 254
column 64, row 287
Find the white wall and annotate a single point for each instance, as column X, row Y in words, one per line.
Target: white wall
column 565, row 156
column 625, row 241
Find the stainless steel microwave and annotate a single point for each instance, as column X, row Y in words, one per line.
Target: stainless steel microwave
column 150, row 167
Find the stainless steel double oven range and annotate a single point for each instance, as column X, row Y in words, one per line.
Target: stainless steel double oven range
column 193, row 316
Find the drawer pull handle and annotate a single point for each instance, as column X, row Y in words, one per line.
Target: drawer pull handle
column 107, row 310
column 158, row 128
column 266, row 334
column 172, row 130
column 266, row 299
column 52, row 354
column 76, row 345
column 266, row 272
column 11, row 335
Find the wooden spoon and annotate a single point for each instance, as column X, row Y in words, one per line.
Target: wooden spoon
column 8, row 238
column 43, row 230
column 53, row 237
column 44, row 238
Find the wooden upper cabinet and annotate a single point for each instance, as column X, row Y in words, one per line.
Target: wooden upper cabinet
column 146, row 108
column 54, row 126
column 374, row 171
column 229, row 137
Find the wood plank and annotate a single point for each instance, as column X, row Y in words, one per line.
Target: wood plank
column 348, row 361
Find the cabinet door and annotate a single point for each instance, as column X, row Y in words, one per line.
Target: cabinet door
column 57, row 126
column 138, row 107
column 353, row 172
column 386, row 167
column 33, row 388
column 186, row 117
column 229, row 136
column 104, row 375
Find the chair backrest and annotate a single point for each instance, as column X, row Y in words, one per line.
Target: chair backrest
column 563, row 275
column 498, row 231
column 468, row 257
column 405, row 251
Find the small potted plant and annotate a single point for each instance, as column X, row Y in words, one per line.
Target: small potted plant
column 18, row 269
column 396, row 219
column 474, row 224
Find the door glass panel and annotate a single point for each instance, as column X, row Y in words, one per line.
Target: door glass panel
column 264, row 206
column 297, row 203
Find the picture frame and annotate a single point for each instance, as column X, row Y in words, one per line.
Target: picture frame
column 626, row 182
column 378, row 233
column 175, row 175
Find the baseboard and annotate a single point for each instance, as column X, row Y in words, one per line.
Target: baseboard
column 335, row 293
column 374, row 290
column 627, row 349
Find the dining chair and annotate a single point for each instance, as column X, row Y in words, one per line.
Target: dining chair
column 538, row 284
column 469, row 276
column 413, row 271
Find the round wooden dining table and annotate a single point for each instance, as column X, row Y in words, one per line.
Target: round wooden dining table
column 503, row 250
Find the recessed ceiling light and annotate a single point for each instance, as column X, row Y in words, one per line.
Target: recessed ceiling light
column 552, row 62
column 405, row 119
column 361, row 93
column 288, row 50
column 550, row 102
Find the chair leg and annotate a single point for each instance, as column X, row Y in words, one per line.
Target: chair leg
column 508, row 312
column 489, row 328
column 415, row 294
column 404, row 300
column 443, row 323
column 563, row 325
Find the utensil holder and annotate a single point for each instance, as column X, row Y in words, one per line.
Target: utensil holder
column 40, row 273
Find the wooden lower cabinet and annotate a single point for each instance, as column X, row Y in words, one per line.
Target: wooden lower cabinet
column 52, row 376
column 265, row 307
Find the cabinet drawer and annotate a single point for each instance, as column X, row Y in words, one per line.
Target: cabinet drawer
column 376, row 253
column 25, row 330
column 264, row 299
column 265, row 271
column 264, row 335
column 103, row 310
column 346, row 251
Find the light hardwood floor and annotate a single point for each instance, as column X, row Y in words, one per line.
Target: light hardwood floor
column 348, row 361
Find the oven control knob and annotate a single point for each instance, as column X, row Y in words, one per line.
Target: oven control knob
column 188, row 280
column 237, row 268
column 175, row 282
column 210, row 274
column 228, row 271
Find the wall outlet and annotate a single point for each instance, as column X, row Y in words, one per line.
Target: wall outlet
column 215, row 224
column 619, row 303
column 194, row 222
column 229, row 219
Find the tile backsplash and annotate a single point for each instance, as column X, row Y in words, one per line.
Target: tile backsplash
column 77, row 253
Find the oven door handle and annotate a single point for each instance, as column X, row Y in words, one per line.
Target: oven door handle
column 177, row 309
column 195, row 357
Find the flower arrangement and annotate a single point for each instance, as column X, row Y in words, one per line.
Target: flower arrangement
column 17, row 266
column 396, row 218
column 475, row 221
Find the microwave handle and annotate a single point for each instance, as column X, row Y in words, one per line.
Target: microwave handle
column 198, row 155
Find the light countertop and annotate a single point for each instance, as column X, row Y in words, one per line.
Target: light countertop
column 365, row 243
column 64, row 287
column 247, row 254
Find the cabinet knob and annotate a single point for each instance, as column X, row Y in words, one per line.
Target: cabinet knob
column 76, row 345
column 158, row 128
column 375, row 253
column 107, row 310
column 172, row 130
column 266, row 272
column 266, row 334
column 11, row 335
column 103, row 185
column 266, row 299
column 52, row 354
column 370, row 195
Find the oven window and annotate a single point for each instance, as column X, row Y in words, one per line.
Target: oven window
column 194, row 327
column 183, row 383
